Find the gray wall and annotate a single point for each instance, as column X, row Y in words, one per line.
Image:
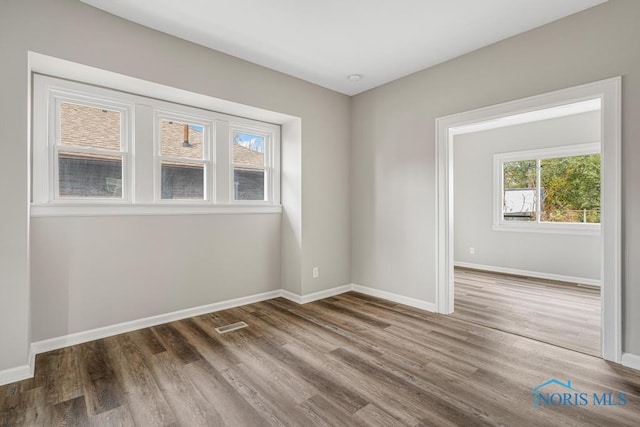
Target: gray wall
column 393, row 142
column 97, row 271
column 560, row 254
column 73, row 31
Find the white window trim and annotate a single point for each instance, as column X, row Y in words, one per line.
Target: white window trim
column 185, row 114
column 142, row 156
column 46, row 133
column 271, row 163
column 499, row 224
column 70, row 210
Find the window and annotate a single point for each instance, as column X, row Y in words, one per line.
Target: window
column 96, row 147
column 555, row 190
column 89, row 148
column 251, row 164
column 184, row 160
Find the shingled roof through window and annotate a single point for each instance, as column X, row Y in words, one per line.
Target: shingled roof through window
column 83, row 126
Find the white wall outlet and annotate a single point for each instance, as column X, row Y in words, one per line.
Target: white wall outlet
column 472, row 251
column 315, row 272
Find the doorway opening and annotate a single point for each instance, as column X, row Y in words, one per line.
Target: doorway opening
column 527, row 203
column 607, row 94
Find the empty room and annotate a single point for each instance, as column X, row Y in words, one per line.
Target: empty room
column 319, row 213
column 528, row 250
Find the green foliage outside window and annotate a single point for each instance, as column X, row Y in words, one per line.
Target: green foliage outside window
column 520, row 174
column 569, row 187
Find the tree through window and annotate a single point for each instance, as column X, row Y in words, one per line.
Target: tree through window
column 560, row 185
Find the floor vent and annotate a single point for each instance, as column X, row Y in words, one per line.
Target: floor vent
column 231, row 327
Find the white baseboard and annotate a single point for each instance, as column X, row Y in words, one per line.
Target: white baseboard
column 291, row 296
column 413, row 302
column 303, row 299
column 631, row 360
column 26, row 371
column 18, row 373
column 107, row 331
column 526, row 273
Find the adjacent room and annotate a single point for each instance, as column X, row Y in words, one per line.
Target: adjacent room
column 528, row 250
column 319, row 213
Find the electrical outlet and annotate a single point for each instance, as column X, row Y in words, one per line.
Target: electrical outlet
column 472, row 251
column 315, row 272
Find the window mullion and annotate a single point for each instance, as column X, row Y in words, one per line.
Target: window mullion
column 223, row 156
column 249, row 167
column 89, row 151
column 142, row 155
column 184, row 160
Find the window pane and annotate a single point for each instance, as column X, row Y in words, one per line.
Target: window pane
column 248, row 184
column 571, row 189
column 88, row 127
column 182, row 181
column 248, row 149
column 520, row 195
column 83, row 175
column 181, row 139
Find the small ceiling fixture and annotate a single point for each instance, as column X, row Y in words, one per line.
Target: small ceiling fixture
column 354, row 77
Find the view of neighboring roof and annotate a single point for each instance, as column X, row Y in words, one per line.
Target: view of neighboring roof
column 84, row 126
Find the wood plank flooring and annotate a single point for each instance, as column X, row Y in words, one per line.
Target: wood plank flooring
column 349, row 360
column 558, row 313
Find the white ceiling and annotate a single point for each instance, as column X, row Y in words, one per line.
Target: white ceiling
column 324, row 41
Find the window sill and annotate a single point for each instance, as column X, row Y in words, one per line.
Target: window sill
column 71, row 210
column 550, row 228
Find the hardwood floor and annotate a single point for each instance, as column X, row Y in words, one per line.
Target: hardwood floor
column 558, row 313
column 349, row 360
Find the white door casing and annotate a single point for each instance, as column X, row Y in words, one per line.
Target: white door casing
column 609, row 93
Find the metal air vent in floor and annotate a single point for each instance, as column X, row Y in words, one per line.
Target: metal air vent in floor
column 231, row 327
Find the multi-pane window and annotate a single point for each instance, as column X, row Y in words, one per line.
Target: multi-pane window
column 96, row 146
column 549, row 186
column 250, row 152
column 184, row 159
column 90, row 150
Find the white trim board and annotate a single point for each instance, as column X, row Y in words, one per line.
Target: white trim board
column 133, row 325
column 26, row 371
column 609, row 92
column 389, row 296
column 631, row 360
column 303, row 299
column 18, row 373
column 412, row 302
column 526, row 273
column 49, row 210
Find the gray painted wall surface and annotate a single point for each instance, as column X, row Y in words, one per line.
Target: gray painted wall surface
column 73, row 31
column 93, row 272
column 562, row 254
column 393, row 142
